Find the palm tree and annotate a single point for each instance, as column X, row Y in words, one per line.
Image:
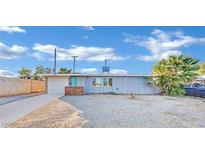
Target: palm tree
column 39, row 70
column 173, row 72
column 25, row 73
column 64, row 71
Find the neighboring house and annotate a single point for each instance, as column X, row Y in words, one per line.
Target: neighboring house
column 201, row 79
column 100, row 83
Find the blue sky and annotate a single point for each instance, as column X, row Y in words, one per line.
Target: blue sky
column 128, row 49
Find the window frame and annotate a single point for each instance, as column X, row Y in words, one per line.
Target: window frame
column 108, row 83
column 94, row 80
column 105, row 82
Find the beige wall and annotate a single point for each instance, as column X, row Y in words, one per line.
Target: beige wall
column 14, row 86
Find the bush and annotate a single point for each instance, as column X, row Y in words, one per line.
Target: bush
column 175, row 91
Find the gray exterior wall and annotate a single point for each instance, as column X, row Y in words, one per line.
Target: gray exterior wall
column 136, row 85
column 121, row 85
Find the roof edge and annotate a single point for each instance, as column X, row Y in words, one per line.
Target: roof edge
column 87, row 75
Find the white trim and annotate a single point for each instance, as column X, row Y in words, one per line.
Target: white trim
column 97, row 75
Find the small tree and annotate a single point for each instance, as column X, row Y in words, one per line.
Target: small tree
column 173, row 72
column 48, row 70
column 38, row 71
column 64, row 71
column 25, row 73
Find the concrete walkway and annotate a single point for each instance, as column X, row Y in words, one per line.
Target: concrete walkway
column 12, row 111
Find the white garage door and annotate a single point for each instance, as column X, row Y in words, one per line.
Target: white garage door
column 56, row 85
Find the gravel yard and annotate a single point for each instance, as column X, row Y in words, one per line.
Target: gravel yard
column 142, row 111
column 56, row 114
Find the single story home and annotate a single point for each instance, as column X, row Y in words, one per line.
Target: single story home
column 201, row 79
column 100, row 83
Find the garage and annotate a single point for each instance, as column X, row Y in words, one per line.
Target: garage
column 56, row 85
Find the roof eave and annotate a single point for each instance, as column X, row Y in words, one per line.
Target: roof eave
column 95, row 75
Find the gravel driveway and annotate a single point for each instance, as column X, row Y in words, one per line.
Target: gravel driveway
column 142, row 111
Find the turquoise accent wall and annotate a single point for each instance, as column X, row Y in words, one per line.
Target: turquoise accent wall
column 73, row 81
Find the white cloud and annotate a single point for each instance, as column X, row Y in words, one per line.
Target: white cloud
column 11, row 29
column 88, row 28
column 88, row 70
column 162, row 44
column 6, row 73
column 84, row 53
column 39, row 56
column 85, row 37
column 95, row 71
column 118, row 71
column 48, row 48
column 163, row 55
column 12, row 52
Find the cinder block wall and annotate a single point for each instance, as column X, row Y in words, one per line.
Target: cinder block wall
column 38, row 86
column 14, row 86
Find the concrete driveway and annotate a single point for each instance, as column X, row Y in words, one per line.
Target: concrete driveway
column 10, row 99
column 14, row 110
column 143, row 111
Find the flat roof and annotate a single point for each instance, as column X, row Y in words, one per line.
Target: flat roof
column 96, row 75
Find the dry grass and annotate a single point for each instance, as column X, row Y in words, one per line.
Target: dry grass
column 56, row 114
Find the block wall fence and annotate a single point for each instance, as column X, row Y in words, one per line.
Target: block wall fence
column 15, row 86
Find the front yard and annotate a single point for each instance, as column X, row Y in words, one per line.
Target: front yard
column 117, row 111
column 142, row 111
column 56, row 114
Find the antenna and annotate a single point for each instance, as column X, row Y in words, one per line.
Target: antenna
column 54, row 69
column 105, row 68
column 105, row 62
column 74, row 57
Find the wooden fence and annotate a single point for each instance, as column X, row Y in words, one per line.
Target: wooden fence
column 15, row 86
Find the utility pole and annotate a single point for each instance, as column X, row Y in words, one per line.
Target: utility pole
column 54, row 69
column 74, row 57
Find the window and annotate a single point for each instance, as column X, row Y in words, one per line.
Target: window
column 97, row 82
column 195, row 84
column 107, row 82
column 110, row 82
column 102, row 81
